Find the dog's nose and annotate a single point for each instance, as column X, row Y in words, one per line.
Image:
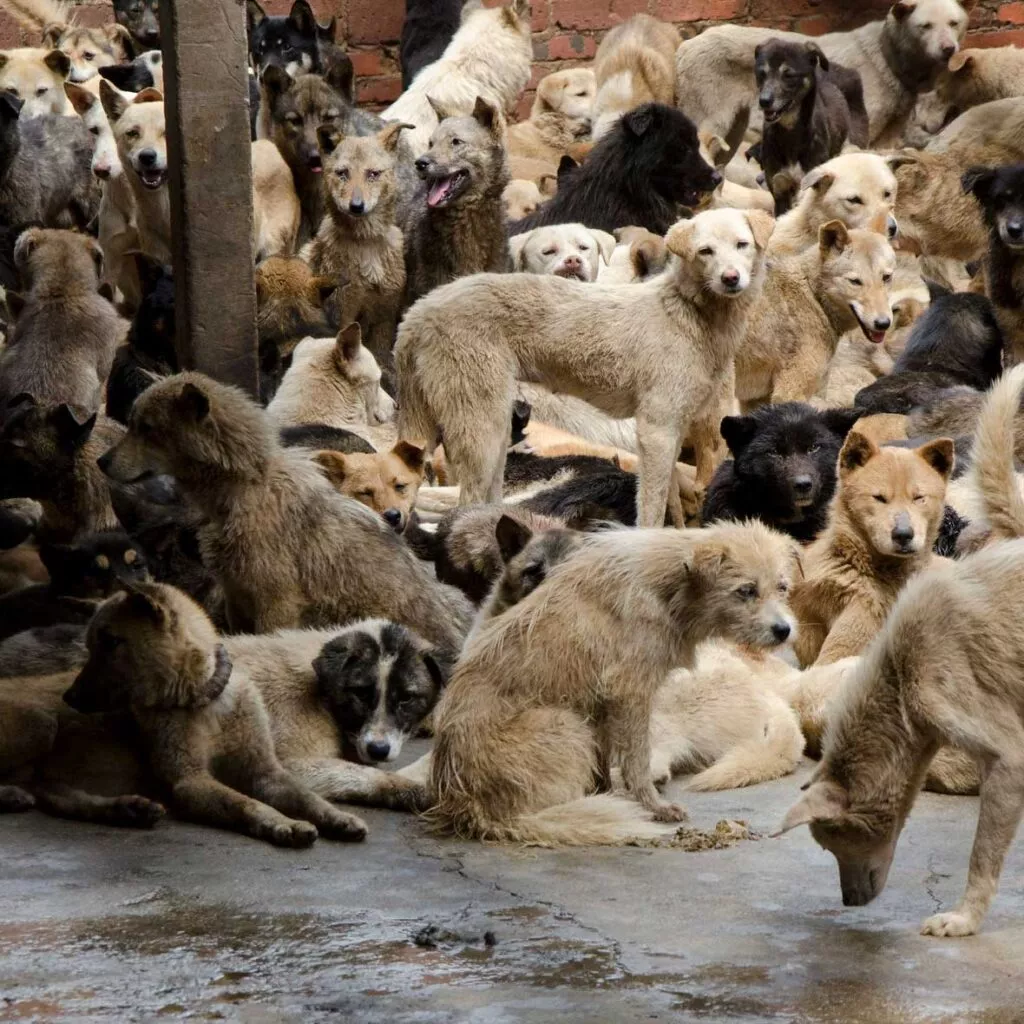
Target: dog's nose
column 891, row 227
column 104, row 462
column 949, row 50
column 422, row 164
column 357, row 206
column 101, row 171
column 716, row 179
column 378, row 750
column 802, row 484
column 1015, row 229
column 572, row 263
column 781, row 631
column 731, row 278
column 148, row 158
column 902, row 533
column 766, row 100
column 882, row 323
column 393, row 517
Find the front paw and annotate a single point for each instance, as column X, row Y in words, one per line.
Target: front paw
column 345, row 827
column 669, row 813
column 14, row 799
column 952, row 925
column 296, row 835
column 136, row 812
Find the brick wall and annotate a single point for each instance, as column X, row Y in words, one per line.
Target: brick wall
column 567, row 32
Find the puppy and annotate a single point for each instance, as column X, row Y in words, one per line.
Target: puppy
column 690, row 319
column 560, row 116
column 564, row 250
column 544, row 703
column 522, row 197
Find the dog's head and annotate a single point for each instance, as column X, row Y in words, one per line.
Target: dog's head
column 89, row 49
column 140, row 131
column 931, row 30
column 522, row 198
column 359, row 172
column 299, row 108
column 106, row 163
column 570, row 94
column 36, row 78
column 380, row 682
column 894, row 497
column 464, row 154
column 290, row 305
column 142, row 20
column 360, row 371
column 1000, row 193
column 387, row 482
column 787, row 453
column 562, row 250
column 961, row 84
column 290, row 42
column 151, row 648
column 145, row 72
column 94, row 566
column 857, row 188
column 785, row 73
column 722, row 249
column 52, row 258
column 857, row 270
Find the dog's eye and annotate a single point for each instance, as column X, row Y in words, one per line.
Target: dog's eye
column 783, row 587
column 742, row 244
column 706, row 251
column 584, row 248
column 748, row 592
column 342, row 173
column 456, row 142
column 13, row 92
column 401, row 488
column 918, row 498
column 88, row 56
column 583, row 94
column 887, row 279
column 816, row 448
column 109, row 641
column 882, row 499
column 364, row 494
column 927, row 26
column 548, row 252
column 855, row 280
column 855, row 201
column 94, row 130
column 372, row 175
column 293, row 119
column 42, row 91
column 887, row 195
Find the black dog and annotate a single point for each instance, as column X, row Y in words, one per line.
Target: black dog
column 134, row 76
column 640, row 173
column 783, row 469
column 428, row 28
column 142, row 19
column 291, row 41
column 956, row 341
column 811, row 108
column 1000, row 193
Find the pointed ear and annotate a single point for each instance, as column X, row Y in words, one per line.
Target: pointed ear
column 822, row 801
column 411, row 454
column 329, row 31
column 978, row 182
column 254, row 14
column 81, row 99
column 858, row 451
column 679, row 240
column 902, row 10
column 333, row 465
column 321, row 289
column 106, row 289
column 302, row 19
column 512, row 537
column 144, row 605
column 820, row 180
column 548, row 183
column 328, row 138
column 118, row 35
column 939, row 454
column 15, row 303
column 58, row 62
column 818, row 56
column 193, row 402
column 762, row 224
column 389, row 135
column 276, row 80
column 961, row 61
column 565, row 167
column 738, row 432
column 840, row 421
column 10, row 106
column 349, row 343
column 833, row 237
column 639, row 120
column 488, row 115
column 73, row 428
column 52, row 34
column 340, row 75
column 901, row 159
column 114, row 104
column 442, row 112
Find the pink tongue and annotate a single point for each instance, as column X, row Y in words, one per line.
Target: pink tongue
column 438, row 191
column 878, row 337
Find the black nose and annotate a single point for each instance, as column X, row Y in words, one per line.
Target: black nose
column 883, row 323
column 948, row 51
column 781, row 631
column 104, row 463
column 892, row 228
column 802, row 484
column 378, row 750
column 716, row 179
column 393, row 517
column 766, row 100
column 422, row 163
column 357, row 206
column 151, row 35
column 731, row 278
column 902, row 533
column 148, row 157
column 1015, row 228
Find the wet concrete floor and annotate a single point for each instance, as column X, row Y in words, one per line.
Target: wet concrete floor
column 187, row 923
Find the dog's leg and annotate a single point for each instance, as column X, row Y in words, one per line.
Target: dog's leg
column 282, row 792
column 849, row 635
column 126, row 811
column 658, row 447
column 1002, row 804
column 14, row 799
column 334, row 779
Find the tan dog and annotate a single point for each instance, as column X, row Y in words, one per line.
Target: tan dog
column 560, row 117
column 808, row 302
column 36, row 77
column 563, row 250
column 276, row 210
column 524, row 197
column 634, row 65
column 857, row 188
column 946, row 669
column 554, row 693
column 660, row 351
column 386, row 482
column 886, row 516
column 972, row 77
column 730, row 194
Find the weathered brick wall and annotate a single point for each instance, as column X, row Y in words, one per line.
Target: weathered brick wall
column 567, row 32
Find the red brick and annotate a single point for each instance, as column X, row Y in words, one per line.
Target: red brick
column 524, row 106
column 1014, row 13
column 367, row 63
column 581, row 14
column 817, row 25
column 375, row 22
column 701, row 10
column 540, row 15
column 1009, row 37
column 571, row 46
column 379, row 90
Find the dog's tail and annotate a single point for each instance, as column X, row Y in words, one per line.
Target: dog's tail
column 992, row 458
column 38, row 15
column 770, row 756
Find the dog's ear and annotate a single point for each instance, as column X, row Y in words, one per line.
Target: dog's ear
column 762, row 224
column 114, row 104
column 512, row 536
column 328, row 138
column 518, row 11
column 605, row 243
column 548, row 183
column 648, row 257
column 833, row 237
column 858, row 451
column 118, row 35
column 254, row 15
column 10, row 106
column 488, row 116
column 106, row 289
column 302, row 19
column 81, row 99
column 906, row 310
column 716, row 148
column 329, row 31
column 143, row 604
column 565, row 167
column 940, row 455
column 840, row 421
column 15, row 303
column 52, row 34
column 27, row 243
column 706, row 561
column 389, row 135
column 149, row 95
column 679, row 240
column 470, row 7
column 961, row 61
column 817, row 55
column 275, row 80
column 340, row 75
column 58, row 62
column 818, row 179
column 738, row 432
column 639, row 120
column 978, row 182
column 333, row 465
column 73, row 426
column 547, row 88
column 437, row 671
column 517, row 249
column 320, row 289
column 193, row 402
column 440, row 110
column 902, row 10
column 822, row 801
column 412, row 455
column 349, row 343
column 902, row 159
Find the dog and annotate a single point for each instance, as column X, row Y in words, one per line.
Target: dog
column 971, row 77
column 426, row 31
column 522, row 197
column 884, row 522
column 489, row 57
column 154, row 652
column 146, row 71
column 897, row 57
column 573, row 701
column 457, row 226
column 290, row 41
column 345, row 564
column 564, row 250
column 783, row 469
column 62, row 345
column 691, row 321
column 857, row 188
column 634, row 64
column 277, row 213
column 559, row 119
column 644, row 168
column 36, row 78
column 142, row 19
column 386, row 482
column 811, row 108
column 1000, row 193
column 844, row 283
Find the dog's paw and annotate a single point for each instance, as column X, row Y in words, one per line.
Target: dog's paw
column 952, row 925
column 346, row 827
column 295, row 834
column 14, row 799
column 411, row 796
column 669, row 813
column 135, row 812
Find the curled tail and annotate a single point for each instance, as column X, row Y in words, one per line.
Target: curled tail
column 37, row 15
column 992, row 459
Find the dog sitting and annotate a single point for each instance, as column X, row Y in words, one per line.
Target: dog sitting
column 560, row 116
column 545, row 702
column 690, row 320
column 564, row 250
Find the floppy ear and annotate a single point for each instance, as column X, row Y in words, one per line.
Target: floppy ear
column 906, row 311
column 81, row 99
column 820, row 180
column 72, row 431
column 114, row 104
column 333, row 465
column 706, row 560
column 488, row 115
column 519, row 10
column 301, row 16
column 517, row 249
column 939, row 454
column 548, row 184
column 762, row 224
column 193, row 402
column 648, row 257
column 960, row 61
column 321, row 289
column 276, row 80
column 328, row 138
column 822, row 801
column 438, row 675
column 254, row 14
column 411, row 454
column 856, row 452
column 639, row 120
column 442, row 112
column 605, row 243
column 512, row 537
column 547, row 88
column 389, row 135
column 15, row 303
column 902, row 10
column 978, row 182
column 833, row 237
column 738, row 432
column 817, row 55
column 716, row 147
column 349, row 342
column 679, row 240
column 58, row 62
column 840, row 421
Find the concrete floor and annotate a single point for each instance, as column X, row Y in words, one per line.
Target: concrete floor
column 190, row 923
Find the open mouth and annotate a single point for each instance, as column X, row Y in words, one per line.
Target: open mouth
column 315, row 163
column 875, row 337
column 693, row 198
column 152, row 177
column 444, row 191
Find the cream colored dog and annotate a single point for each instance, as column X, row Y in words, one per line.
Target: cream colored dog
column 560, row 117
column 563, row 250
column 661, row 351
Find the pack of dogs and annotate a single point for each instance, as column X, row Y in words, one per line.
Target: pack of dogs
column 670, row 430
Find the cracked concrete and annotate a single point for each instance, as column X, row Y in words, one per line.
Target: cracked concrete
column 189, row 923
